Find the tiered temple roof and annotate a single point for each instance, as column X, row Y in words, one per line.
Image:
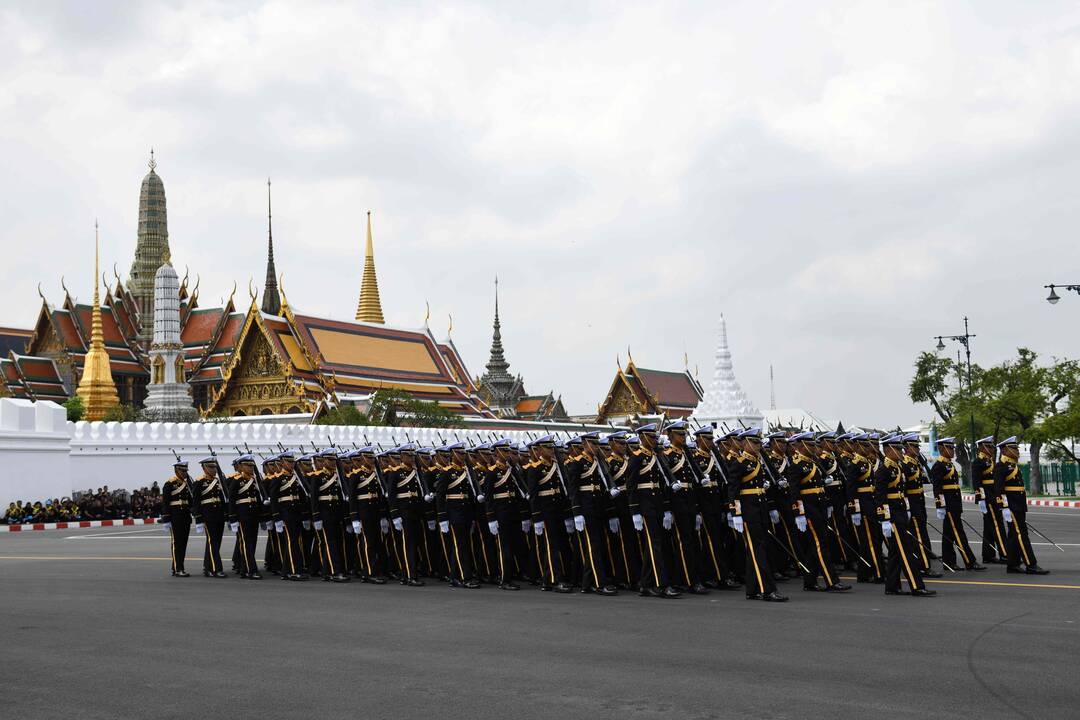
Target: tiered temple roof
column 640, row 391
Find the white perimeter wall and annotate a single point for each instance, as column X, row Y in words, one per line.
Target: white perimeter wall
column 42, row 455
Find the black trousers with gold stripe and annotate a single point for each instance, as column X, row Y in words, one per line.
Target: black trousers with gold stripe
column 247, row 538
column 994, row 532
column 901, row 554
column 953, row 536
column 214, row 527
column 457, row 547
column 553, row 547
column 515, row 557
column 1017, row 544
column 758, row 574
column 814, row 544
column 331, row 538
column 178, row 538
column 654, row 569
column 592, row 548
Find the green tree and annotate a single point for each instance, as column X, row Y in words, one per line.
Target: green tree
column 75, row 408
column 121, row 413
column 393, row 408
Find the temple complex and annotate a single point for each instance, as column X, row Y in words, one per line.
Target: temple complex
column 724, row 402
column 637, row 392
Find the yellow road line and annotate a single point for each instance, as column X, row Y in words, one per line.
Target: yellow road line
column 995, row 584
column 72, row 557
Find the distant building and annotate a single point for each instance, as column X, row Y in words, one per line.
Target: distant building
column 724, row 402
column 636, row 392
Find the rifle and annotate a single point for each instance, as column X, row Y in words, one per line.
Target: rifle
column 187, row 481
column 258, row 476
column 602, row 466
column 339, row 473
column 956, row 541
column 1039, row 533
column 220, row 476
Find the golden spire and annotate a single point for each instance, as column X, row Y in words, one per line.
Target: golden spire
column 370, row 308
column 96, row 386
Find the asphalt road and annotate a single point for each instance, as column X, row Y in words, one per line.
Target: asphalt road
column 93, row 627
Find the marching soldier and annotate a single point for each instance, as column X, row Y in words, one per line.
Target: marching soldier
column 649, row 513
column 209, row 511
column 857, row 465
column 1011, row 497
column 406, row 495
column 365, row 512
column 840, row 538
column 245, row 511
column 288, row 494
column 629, row 542
column 949, row 507
column 811, row 514
column 504, row 492
column 455, row 499
column 748, row 513
column 176, row 503
column 993, row 548
column 686, row 515
column 892, row 514
column 713, row 501
column 272, row 557
column 327, row 512
column 914, row 475
column 588, row 507
column 546, row 498
column 777, row 504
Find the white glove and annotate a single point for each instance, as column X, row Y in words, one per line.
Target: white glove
column 677, row 486
column 306, row 524
column 828, row 512
column 429, row 497
column 265, row 526
column 697, row 521
column 613, row 525
column 318, row 525
column 384, row 525
column 639, row 522
column 430, row 524
column 569, row 525
column 480, row 497
column 397, row 524
column 493, row 527
column 234, row 526
column 526, row 525
column 737, row 523
column 940, row 512
column 167, row 527
column 579, row 523
column 783, row 483
column 444, row 526
column 669, row 519
column 349, row 528
column 800, row 522
column 538, row 527
column 857, row 519
column 357, row 527
column 886, row 528
column 706, row 482
column 279, row 525
column 199, row 527
column 774, row 516
column 1006, row 515
column 614, row 492
column 982, row 506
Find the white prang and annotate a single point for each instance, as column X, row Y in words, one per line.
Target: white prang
column 725, row 401
column 168, row 395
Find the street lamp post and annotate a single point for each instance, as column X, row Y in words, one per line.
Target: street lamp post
column 965, row 340
column 1053, row 297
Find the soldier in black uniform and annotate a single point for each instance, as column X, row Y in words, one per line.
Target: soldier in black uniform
column 647, row 494
column 588, row 508
column 777, row 504
column 209, row 512
column 891, row 509
column 686, row 516
column 839, row 530
column 993, row 547
column 1011, row 496
column 365, row 511
column 949, row 507
column 628, row 541
column 328, row 504
column 272, row 556
column 811, row 515
column 455, row 500
column 406, row 495
column 746, row 488
column 857, row 466
column 288, row 508
column 713, row 502
column 245, row 512
column 914, row 478
column 504, row 491
column 546, row 500
column 176, row 503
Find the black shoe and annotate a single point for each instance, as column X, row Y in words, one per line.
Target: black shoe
column 897, row 592
column 996, row 561
column 813, row 588
column 711, row 584
column 413, row 582
column 563, row 588
column 471, row 585
column 377, row 579
column 756, row 596
column 1036, row 570
column 922, row 592
column 976, row 568
column 255, row 576
column 650, row 592
column 220, row 574
column 779, row 577
column 1014, row 570
column 930, row 573
column 508, row 586
column 698, row 589
column 207, row 573
column 180, row 573
column 341, row 578
column 774, row 597
column 607, row 590
column 670, row 593
column 838, row 587
column 730, row 584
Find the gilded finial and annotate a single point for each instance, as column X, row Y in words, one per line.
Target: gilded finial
column 251, row 291
column 450, row 329
column 63, row 285
column 153, row 163
column 166, row 258
column 427, row 313
column 629, row 357
column 618, row 361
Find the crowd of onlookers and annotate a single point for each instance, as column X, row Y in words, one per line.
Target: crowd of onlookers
column 103, row 504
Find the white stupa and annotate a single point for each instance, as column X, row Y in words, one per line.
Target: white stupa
column 168, row 395
column 725, row 401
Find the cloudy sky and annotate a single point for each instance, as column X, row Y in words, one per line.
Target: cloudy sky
column 842, row 181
